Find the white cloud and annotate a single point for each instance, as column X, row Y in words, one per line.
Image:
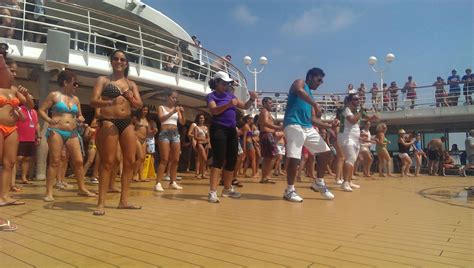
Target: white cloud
column 320, row 20
column 242, row 13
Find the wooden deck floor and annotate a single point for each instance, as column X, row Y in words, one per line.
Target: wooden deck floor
column 394, row 222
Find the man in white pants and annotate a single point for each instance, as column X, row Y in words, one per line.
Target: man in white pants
column 299, row 116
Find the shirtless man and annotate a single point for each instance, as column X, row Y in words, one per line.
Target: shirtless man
column 435, row 154
column 268, row 143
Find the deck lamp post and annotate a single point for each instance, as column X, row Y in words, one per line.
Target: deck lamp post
column 248, row 61
column 373, row 61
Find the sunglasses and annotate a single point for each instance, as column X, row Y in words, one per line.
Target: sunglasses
column 119, row 59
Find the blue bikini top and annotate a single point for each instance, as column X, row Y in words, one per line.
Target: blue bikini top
column 61, row 107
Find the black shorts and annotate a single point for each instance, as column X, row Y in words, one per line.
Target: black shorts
column 434, row 155
column 27, row 148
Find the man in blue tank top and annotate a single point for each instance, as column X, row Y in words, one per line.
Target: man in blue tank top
column 299, row 118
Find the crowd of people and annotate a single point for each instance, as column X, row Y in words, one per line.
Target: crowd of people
column 122, row 134
column 389, row 97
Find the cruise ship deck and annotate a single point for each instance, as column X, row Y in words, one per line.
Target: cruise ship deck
column 389, row 222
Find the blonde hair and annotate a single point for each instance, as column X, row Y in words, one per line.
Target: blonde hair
column 380, row 127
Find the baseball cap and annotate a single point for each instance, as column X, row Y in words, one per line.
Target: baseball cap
column 401, row 131
column 223, row 75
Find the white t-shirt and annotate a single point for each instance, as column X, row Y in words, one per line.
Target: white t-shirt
column 351, row 132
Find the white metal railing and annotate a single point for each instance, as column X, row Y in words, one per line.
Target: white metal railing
column 97, row 32
column 426, row 97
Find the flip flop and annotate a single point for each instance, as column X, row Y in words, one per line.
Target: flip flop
column 8, row 227
column 13, row 203
column 98, row 213
column 130, row 207
column 267, row 181
column 136, row 180
column 145, row 180
column 25, row 182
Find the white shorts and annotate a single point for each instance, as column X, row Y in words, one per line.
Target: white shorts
column 281, row 149
column 403, row 155
column 297, row 137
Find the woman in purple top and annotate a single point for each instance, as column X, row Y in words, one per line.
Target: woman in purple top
column 223, row 105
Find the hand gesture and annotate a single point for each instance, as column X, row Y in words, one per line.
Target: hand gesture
column 180, row 109
column 119, row 100
column 53, row 121
column 253, row 95
column 81, row 119
column 22, row 90
column 234, row 102
column 128, row 94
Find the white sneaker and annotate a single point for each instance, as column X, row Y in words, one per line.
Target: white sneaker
column 353, row 185
column 212, row 197
column 339, row 182
column 322, row 189
column 59, row 185
column 292, row 196
column 175, row 186
column 167, row 178
column 158, row 187
column 178, row 178
column 346, row 187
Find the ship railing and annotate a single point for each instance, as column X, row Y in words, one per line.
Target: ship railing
column 99, row 33
column 426, row 97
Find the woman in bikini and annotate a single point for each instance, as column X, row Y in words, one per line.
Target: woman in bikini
column 169, row 139
column 248, row 146
column 141, row 130
column 62, row 131
column 201, row 135
column 10, row 99
column 116, row 95
column 384, row 159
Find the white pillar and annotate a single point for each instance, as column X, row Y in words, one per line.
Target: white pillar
column 42, row 152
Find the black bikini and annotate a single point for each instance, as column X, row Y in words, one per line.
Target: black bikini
column 111, row 91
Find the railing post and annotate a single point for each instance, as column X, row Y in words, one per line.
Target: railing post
column 140, row 60
column 22, row 47
column 88, row 37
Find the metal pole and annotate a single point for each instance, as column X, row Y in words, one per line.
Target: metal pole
column 380, row 94
column 255, row 88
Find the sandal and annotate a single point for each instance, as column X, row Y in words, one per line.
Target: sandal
column 26, row 182
column 13, row 203
column 98, row 213
column 267, row 181
column 8, row 227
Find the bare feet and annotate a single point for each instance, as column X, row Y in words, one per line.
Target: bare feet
column 85, row 192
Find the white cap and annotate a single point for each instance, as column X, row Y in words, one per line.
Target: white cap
column 223, row 75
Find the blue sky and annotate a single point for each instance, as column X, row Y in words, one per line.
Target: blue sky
column 428, row 38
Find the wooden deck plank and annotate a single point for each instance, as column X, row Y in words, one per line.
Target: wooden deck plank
column 384, row 224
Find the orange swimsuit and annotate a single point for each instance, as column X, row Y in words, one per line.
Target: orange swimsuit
column 6, row 130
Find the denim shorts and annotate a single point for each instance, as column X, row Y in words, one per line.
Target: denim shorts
column 170, row 135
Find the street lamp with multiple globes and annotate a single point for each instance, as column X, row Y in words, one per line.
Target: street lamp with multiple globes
column 373, row 61
column 248, row 61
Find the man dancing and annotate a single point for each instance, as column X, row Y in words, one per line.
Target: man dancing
column 299, row 116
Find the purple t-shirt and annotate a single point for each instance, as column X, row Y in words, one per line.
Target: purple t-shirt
column 228, row 117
